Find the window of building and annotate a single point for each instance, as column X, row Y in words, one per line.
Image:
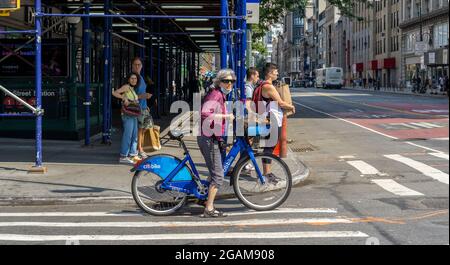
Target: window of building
column 409, row 42
column 440, row 35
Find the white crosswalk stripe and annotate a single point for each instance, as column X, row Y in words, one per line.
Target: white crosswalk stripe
column 396, row 188
column 421, row 167
column 114, row 230
column 252, row 222
column 190, row 236
column 440, row 155
column 391, row 185
column 363, row 167
column 133, row 214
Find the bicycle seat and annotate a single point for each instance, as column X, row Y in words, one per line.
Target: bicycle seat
column 178, row 134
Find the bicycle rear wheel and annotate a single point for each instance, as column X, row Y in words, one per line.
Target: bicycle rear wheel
column 262, row 197
column 151, row 198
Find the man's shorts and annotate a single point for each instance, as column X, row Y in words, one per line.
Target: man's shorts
column 145, row 120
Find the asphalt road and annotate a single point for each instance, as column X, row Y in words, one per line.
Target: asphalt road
column 379, row 166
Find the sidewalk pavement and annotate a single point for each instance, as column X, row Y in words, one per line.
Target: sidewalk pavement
column 394, row 90
column 78, row 174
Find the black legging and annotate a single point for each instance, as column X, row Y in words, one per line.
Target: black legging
column 269, row 150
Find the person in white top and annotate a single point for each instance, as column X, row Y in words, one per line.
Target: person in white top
column 250, row 84
column 252, row 79
column 276, row 105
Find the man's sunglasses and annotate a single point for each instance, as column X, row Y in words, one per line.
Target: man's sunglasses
column 228, row 81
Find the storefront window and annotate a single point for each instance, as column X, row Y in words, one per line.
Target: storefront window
column 440, row 35
column 411, row 71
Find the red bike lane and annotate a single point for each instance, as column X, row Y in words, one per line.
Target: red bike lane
column 402, row 120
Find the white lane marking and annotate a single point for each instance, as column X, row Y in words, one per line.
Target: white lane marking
column 424, row 169
column 363, row 167
column 430, row 111
column 254, row 222
column 440, row 155
column 426, row 148
column 394, row 187
column 193, row 236
column 427, row 125
column 366, row 128
column 341, row 119
column 70, row 214
column 285, row 210
column 347, row 157
column 106, row 214
column 441, row 139
column 405, row 125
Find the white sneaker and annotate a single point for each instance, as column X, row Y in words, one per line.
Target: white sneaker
column 249, row 167
column 126, row 160
column 143, row 155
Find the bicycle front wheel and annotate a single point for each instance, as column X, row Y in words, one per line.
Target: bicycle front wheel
column 147, row 192
column 249, row 188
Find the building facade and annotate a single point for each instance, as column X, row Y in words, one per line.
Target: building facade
column 385, row 65
column 342, row 47
column 424, row 39
column 362, row 50
column 294, row 29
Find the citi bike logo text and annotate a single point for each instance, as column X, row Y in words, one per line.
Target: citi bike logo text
column 152, row 166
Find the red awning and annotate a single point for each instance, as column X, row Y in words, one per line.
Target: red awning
column 374, row 65
column 389, row 63
column 359, row 67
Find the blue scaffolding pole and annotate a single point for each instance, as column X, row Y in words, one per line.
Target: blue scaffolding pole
column 106, row 139
column 38, row 70
column 87, row 72
column 243, row 56
column 223, row 36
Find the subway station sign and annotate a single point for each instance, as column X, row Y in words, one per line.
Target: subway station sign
column 9, row 4
column 54, row 101
column 253, row 11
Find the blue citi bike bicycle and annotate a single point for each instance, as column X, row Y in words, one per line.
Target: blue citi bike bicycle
column 163, row 183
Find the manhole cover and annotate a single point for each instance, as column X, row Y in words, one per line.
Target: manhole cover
column 302, row 148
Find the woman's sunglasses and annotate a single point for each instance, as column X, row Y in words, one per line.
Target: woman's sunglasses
column 228, row 81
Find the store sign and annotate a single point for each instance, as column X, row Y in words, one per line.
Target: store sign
column 21, row 63
column 253, row 11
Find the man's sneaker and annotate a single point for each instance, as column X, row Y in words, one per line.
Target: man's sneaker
column 135, row 159
column 249, row 167
column 143, row 155
column 272, row 179
column 126, row 160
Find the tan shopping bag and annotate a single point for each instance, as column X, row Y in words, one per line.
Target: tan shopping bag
column 151, row 139
column 285, row 95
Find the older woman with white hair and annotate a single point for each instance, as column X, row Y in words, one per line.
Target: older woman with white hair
column 210, row 141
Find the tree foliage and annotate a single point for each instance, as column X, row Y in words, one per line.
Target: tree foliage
column 274, row 11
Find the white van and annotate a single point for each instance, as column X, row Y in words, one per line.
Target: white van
column 330, row 77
